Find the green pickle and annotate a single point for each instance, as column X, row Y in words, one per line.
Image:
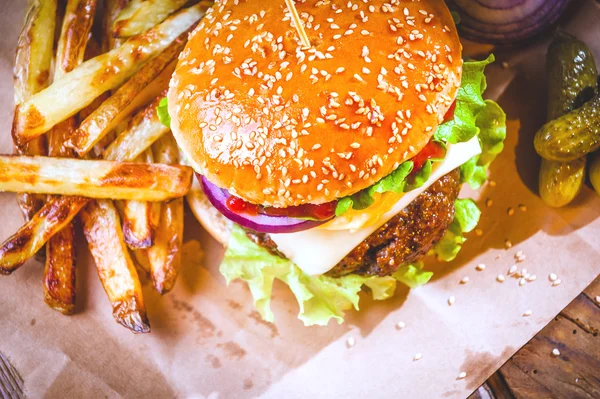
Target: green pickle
column 572, row 74
column 572, row 79
column 571, row 136
column 560, row 182
column 595, row 172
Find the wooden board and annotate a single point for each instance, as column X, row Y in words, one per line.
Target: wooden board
column 534, row 372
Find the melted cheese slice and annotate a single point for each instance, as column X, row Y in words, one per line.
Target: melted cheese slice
column 316, row 251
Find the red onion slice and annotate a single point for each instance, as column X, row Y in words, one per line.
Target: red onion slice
column 260, row 223
column 506, row 21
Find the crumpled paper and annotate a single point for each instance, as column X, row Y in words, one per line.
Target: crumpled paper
column 208, row 342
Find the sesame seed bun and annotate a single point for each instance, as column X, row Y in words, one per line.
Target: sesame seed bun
column 280, row 125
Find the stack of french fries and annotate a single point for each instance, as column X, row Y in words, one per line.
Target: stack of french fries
column 89, row 143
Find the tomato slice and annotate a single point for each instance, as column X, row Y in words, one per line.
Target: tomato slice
column 433, row 150
column 450, row 114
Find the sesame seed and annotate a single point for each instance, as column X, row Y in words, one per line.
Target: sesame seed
column 462, row 375
column 552, row 277
column 510, row 211
column 451, row 300
column 480, row 267
column 489, row 202
column 350, row 342
column 400, row 325
column 478, row 232
column 417, row 356
column 598, row 299
column 500, row 278
column 531, row 278
column 555, row 352
column 522, row 282
column 507, row 244
column 556, row 283
column 512, row 270
column 465, row 280
column 522, row 208
column 527, row 313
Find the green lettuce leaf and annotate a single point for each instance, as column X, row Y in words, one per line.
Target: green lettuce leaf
column 466, row 217
column 491, row 121
column 421, row 176
column 469, row 102
column 320, row 298
column 412, row 275
column 395, row 181
column 163, row 112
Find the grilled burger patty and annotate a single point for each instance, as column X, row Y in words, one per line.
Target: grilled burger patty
column 405, row 238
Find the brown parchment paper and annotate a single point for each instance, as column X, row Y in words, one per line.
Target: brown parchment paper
column 208, row 342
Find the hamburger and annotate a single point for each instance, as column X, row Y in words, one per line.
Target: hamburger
column 333, row 164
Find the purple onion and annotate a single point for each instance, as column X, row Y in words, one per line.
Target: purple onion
column 506, row 21
column 260, row 223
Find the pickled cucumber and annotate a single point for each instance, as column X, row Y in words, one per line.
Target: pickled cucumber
column 572, row 135
column 560, row 182
column 572, row 74
column 595, row 172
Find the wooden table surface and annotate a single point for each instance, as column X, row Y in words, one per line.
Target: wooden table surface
column 534, row 372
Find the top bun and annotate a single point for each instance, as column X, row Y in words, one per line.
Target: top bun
column 280, row 125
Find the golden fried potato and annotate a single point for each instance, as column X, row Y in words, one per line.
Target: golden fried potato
column 165, row 254
column 127, row 99
column 59, row 271
column 102, row 229
column 94, row 179
column 33, row 60
column 143, row 130
column 78, row 88
column 138, row 229
column 141, row 15
column 112, row 9
column 30, row 238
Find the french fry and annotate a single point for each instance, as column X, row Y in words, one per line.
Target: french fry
column 33, row 60
column 102, row 229
column 82, row 85
column 94, row 179
column 34, row 234
column 34, row 50
column 30, row 238
column 59, row 271
column 77, row 23
column 126, row 99
column 138, row 230
column 141, row 15
column 112, row 8
column 140, row 258
column 165, row 254
column 143, row 130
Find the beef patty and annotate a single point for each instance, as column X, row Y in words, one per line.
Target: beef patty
column 405, row 238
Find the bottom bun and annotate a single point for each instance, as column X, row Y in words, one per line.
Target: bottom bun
column 209, row 217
